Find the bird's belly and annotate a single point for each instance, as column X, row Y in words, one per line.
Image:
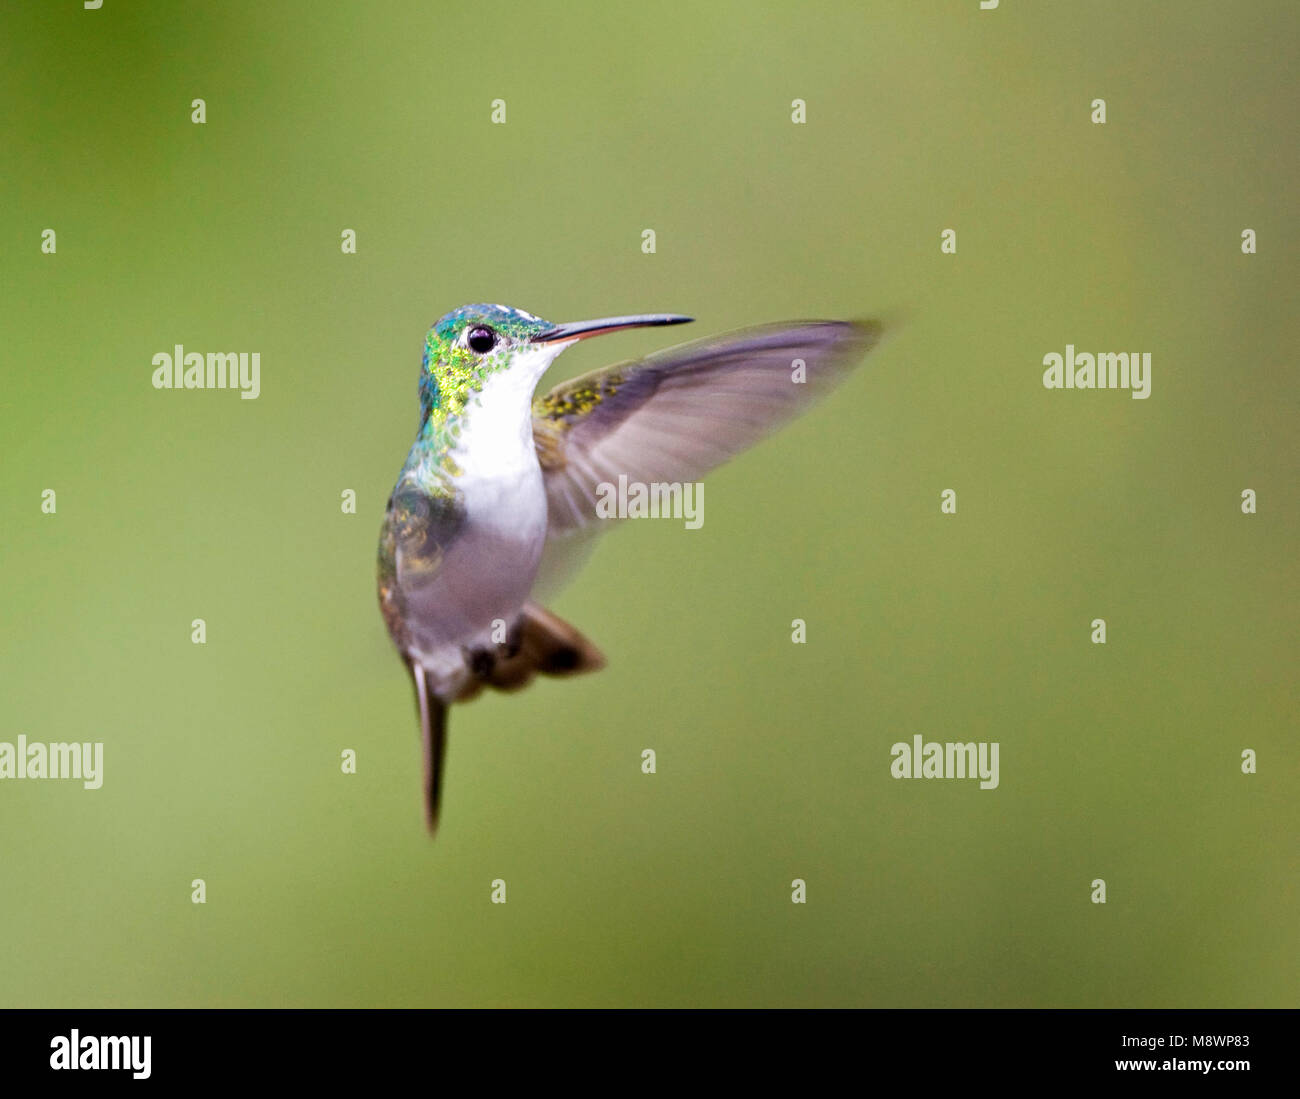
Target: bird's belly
column 486, row 574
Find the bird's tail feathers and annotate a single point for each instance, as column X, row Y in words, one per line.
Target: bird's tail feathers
column 542, row 643
column 433, row 737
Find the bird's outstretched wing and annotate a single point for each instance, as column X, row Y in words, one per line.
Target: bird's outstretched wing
column 677, row 414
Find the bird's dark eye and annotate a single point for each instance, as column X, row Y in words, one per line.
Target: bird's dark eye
column 481, row 339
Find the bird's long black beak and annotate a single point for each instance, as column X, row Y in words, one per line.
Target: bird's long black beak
column 580, row 330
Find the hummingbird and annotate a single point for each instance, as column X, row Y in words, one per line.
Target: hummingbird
column 496, row 503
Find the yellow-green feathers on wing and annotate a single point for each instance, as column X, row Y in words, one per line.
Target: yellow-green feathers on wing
column 679, row 413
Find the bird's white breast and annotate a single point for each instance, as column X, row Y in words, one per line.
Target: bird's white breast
column 500, row 478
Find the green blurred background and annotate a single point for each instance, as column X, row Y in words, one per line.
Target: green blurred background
column 222, row 761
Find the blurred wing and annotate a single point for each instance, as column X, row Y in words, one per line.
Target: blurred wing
column 418, row 528
column 679, row 413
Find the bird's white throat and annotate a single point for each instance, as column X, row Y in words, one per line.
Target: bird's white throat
column 496, row 438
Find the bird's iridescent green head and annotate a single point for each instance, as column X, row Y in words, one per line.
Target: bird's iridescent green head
column 473, row 342
column 468, row 345
column 482, row 329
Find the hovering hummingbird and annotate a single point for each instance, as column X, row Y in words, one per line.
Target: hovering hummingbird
column 497, row 498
